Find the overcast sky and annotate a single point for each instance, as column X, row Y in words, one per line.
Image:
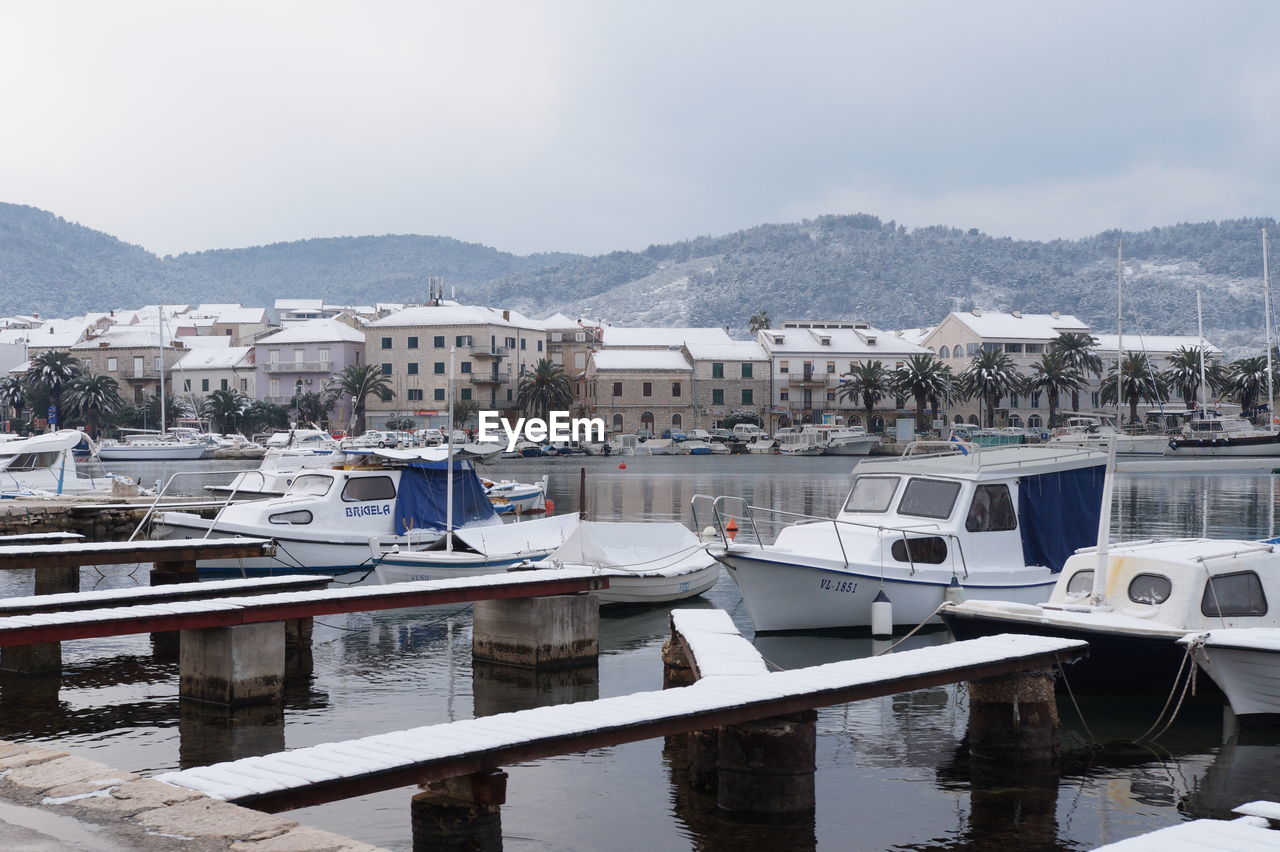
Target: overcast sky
column 594, row 126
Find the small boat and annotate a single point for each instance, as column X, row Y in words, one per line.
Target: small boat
column 765, row 445
column 645, row 563
column 801, row 443
column 152, row 446
column 698, row 448
column 1245, row 664
column 1097, row 430
column 516, row 498
column 276, row 472
column 843, row 440
column 1225, row 436
column 471, row 552
column 666, row 447
column 1152, row 594
column 628, row 445
column 45, row 465
column 996, row 522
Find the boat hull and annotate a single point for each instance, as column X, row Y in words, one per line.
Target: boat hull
column 783, row 596
column 178, row 452
column 394, row 568
column 1261, row 446
column 852, row 448
column 1249, row 677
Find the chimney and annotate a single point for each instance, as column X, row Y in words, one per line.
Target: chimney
column 976, row 312
column 1055, row 315
column 1016, row 314
column 506, row 315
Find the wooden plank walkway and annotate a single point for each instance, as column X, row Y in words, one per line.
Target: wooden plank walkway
column 76, row 554
column 71, row 601
column 333, row 771
column 713, row 645
column 1250, row 833
column 231, row 611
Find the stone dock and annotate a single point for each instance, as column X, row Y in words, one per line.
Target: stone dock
column 54, row 801
column 96, row 519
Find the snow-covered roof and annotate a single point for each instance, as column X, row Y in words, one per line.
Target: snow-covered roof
column 656, row 338
column 1154, row 343
column 215, row 359
column 428, row 316
column 231, row 313
column 15, row 335
column 640, row 359
column 738, row 350
column 996, row 325
column 299, row 304
column 314, row 331
column 59, row 333
column 124, row 337
column 915, row 335
column 844, row 342
column 205, row 341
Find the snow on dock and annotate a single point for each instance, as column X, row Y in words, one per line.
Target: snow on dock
column 1249, row 833
column 114, row 552
column 332, row 771
column 70, row 601
column 714, row 646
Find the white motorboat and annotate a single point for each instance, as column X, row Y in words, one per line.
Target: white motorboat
column 645, row 563
column 801, row 443
column 1152, row 594
column 45, row 465
column 316, row 440
column 997, row 522
column 843, row 440
column 698, row 448
column 666, row 447
column 763, row 444
column 152, row 446
column 628, row 445
column 473, row 551
column 275, row 474
column 1245, row 664
column 331, row 518
column 1097, row 430
column 515, row 498
column 1225, row 436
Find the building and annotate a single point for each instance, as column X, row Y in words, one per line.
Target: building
column 641, row 389
column 490, row 348
column 570, row 343
column 303, row 358
column 204, row 370
column 727, row 378
column 807, row 360
column 135, row 357
column 243, row 325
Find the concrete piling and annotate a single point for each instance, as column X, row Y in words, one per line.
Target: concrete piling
column 462, row 813
column 557, row 631
column 500, row 688
column 213, row 733
column 676, row 669
column 57, row 580
column 234, row 666
column 1013, row 719
column 177, row 571
column 766, row 766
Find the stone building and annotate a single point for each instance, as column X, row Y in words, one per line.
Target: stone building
column 727, row 377
column 635, row 389
column 134, row 357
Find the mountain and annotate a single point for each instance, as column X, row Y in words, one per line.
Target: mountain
column 852, row 266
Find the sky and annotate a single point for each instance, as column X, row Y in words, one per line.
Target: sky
column 599, row 126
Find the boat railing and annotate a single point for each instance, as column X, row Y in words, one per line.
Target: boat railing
column 720, row 512
column 160, row 494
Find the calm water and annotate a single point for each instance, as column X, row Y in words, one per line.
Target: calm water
column 892, row 773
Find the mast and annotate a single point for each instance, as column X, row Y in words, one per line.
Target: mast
column 1200, row 327
column 448, row 500
column 1119, row 333
column 1266, row 299
column 160, row 325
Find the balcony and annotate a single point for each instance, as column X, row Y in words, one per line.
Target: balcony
column 146, row 374
column 809, row 379
column 489, row 351
column 298, row 366
column 488, row 379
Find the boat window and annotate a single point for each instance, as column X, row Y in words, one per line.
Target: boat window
column 1081, row 583
column 1150, row 589
column 369, row 488
column 871, row 494
column 991, row 510
column 33, row 461
column 1233, row 594
column 929, row 498
column 931, row 550
column 312, row 484
column 301, row 517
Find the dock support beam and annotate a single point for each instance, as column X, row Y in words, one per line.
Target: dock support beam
column 558, row 631
column 43, row 658
column 57, row 580
column 234, row 666
column 179, row 571
column 766, row 766
column 462, row 813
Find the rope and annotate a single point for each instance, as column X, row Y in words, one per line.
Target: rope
column 1062, row 673
column 913, row 632
column 1187, row 684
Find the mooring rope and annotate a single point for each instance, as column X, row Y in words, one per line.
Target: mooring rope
column 1187, row 684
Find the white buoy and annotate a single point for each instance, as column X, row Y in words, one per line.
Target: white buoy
column 955, row 592
column 881, row 616
column 709, row 533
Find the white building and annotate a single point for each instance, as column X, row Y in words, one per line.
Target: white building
column 207, row 369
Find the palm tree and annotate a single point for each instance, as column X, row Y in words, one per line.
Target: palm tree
column 758, row 321
column 543, row 389
column 12, row 395
column 1139, row 382
column 1077, row 350
column 313, row 407
column 360, row 381
column 1183, row 374
column 49, row 375
column 1053, row 375
column 989, row 376
column 92, row 397
column 923, row 377
column 867, row 383
column 224, row 407
column 1247, row 378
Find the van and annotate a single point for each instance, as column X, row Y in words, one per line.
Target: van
column 748, row 432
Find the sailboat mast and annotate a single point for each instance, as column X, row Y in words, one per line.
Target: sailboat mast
column 1119, row 332
column 1266, row 298
column 1203, row 349
column 160, row 326
column 448, row 500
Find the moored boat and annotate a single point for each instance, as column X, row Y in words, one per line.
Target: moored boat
column 475, row 551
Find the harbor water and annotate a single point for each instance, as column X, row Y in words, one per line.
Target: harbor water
column 892, row 773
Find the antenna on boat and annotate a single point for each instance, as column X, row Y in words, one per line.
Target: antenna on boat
column 448, row 460
column 1266, row 298
column 1104, row 526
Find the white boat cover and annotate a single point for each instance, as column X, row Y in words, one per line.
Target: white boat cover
column 541, row 534
column 667, row 548
column 467, row 452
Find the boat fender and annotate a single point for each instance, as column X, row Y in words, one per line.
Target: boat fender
column 550, row 506
column 954, row 592
column 731, row 529
column 881, row 616
column 709, row 533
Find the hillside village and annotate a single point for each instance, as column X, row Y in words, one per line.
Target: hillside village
column 252, row 368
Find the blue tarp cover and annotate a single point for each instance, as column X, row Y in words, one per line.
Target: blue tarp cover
column 1058, row 513
column 424, row 493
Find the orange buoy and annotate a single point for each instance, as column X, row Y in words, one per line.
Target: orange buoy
column 622, row 465
column 549, row 506
column 731, row 529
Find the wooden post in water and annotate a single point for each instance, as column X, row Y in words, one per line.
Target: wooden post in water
column 582, row 493
column 462, row 813
column 766, row 766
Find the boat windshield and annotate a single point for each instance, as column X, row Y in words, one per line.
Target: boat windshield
column 872, row 494
column 929, row 498
column 312, row 484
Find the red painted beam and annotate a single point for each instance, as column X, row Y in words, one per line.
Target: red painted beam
column 323, row 602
